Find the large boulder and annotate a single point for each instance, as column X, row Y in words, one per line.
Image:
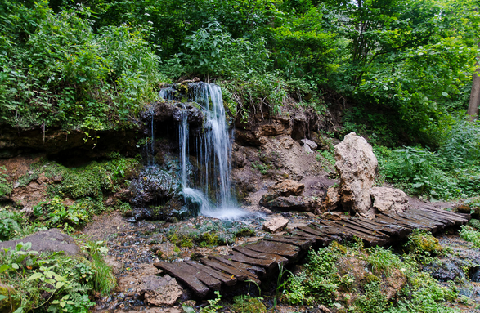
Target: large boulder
column 52, row 240
column 357, row 166
column 388, row 199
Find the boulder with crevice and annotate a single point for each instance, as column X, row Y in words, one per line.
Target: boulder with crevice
column 357, row 166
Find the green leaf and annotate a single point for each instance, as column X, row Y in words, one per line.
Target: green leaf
column 36, row 275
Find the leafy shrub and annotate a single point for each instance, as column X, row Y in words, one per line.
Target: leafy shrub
column 5, row 187
column 64, row 74
column 474, row 223
column 53, row 282
column 56, row 214
column 10, row 223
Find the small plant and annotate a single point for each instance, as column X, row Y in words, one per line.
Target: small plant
column 470, row 234
column 213, row 305
column 5, row 186
column 247, row 304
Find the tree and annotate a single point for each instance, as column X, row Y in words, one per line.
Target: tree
column 475, row 93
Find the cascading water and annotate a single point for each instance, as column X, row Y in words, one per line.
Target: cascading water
column 213, row 190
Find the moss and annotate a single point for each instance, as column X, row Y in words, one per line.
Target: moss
column 422, row 242
column 9, row 299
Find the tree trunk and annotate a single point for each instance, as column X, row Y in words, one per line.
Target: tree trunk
column 475, row 94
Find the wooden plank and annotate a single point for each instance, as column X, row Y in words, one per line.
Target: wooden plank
column 406, row 222
column 436, row 217
column 452, row 216
column 390, row 230
column 187, row 275
column 242, row 258
column 303, row 243
column 275, row 258
column 228, row 280
column 365, row 229
column 254, row 270
column 368, row 239
column 229, row 270
column 283, row 249
column 383, row 219
column 431, row 225
column 324, row 239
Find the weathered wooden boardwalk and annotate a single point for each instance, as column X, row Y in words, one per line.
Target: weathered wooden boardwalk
column 255, row 261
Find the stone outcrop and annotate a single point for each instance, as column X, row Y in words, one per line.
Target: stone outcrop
column 275, row 224
column 357, row 166
column 388, row 199
column 52, row 240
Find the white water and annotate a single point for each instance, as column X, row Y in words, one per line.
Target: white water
column 214, row 194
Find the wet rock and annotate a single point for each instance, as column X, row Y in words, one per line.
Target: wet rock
column 357, row 166
column 275, row 224
column 386, row 199
column 52, row 240
column 9, row 303
column 153, row 184
column 160, row 290
column 445, row 271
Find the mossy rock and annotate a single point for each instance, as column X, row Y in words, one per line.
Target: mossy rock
column 9, row 299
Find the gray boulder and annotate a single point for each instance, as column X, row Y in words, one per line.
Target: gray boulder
column 52, row 240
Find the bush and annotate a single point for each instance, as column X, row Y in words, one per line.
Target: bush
column 63, row 74
column 55, row 282
column 327, row 279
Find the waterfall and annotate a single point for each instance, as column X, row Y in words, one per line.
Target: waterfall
column 213, row 149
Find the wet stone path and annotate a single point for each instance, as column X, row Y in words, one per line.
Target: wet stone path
column 259, row 261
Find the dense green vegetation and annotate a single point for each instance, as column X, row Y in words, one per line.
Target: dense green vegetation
column 404, row 67
column 54, row 282
column 94, row 64
column 355, row 279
